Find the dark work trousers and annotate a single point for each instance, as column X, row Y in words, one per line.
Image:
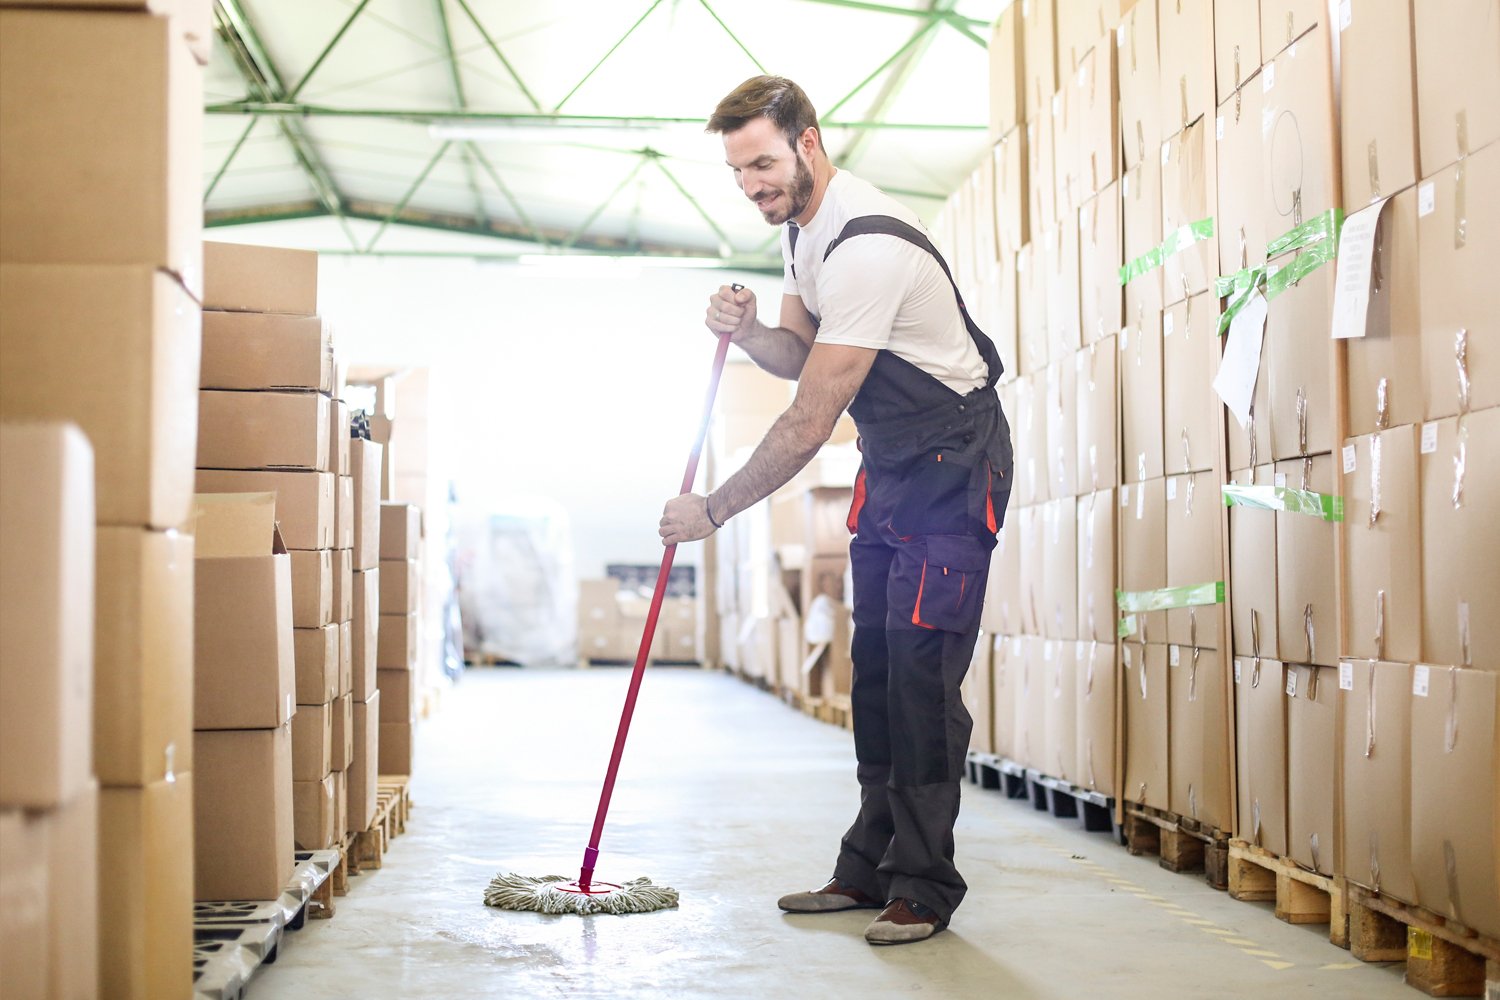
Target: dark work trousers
column 916, row 620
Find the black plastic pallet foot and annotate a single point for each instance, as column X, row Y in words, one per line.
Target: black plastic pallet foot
column 1097, row 818
column 1064, row 806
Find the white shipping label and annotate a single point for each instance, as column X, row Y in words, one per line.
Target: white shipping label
column 1124, row 339
column 1346, row 14
column 1346, row 676
column 1174, row 655
column 1048, row 651
column 1268, row 77
column 1429, row 438
column 1291, row 682
column 1240, row 368
column 1351, row 289
column 1426, row 198
column 1057, row 104
column 1281, row 480
column 1166, row 152
column 1171, row 489
column 1236, row 671
column 1125, row 495
column 1120, row 37
column 1349, row 453
column 1168, row 324
column 1125, row 186
column 1140, row 504
column 1420, row 680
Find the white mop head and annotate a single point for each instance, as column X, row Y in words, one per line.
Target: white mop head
column 544, row 895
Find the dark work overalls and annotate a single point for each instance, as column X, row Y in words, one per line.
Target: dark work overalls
column 930, row 496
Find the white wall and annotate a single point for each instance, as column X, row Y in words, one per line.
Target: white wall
column 581, row 386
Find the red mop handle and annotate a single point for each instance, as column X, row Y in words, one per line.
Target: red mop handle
column 591, row 853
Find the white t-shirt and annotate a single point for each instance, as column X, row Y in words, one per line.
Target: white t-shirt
column 880, row 291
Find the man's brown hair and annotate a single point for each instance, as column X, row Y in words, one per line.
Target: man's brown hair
column 773, row 97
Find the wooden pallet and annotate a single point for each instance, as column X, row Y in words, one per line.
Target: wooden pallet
column 341, row 873
column 392, row 809
column 321, row 906
column 1301, row 896
column 1182, row 843
column 1443, row 958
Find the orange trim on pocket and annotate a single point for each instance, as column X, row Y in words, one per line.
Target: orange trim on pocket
column 989, row 498
column 916, row 611
column 857, row 504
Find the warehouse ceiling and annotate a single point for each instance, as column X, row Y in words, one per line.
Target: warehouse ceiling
column 524, row 127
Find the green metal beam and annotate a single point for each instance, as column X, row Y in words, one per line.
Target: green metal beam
column 923, row 32
column 423, row 116
column 224, row 167
column 878, row 8
column 484, row 33
column 605, row 58
column 515, row 203
column 732, row 36
column 725, row 244
column 583, row 227
column 455, row 77
column 407, row 197
column 960, row 25
column 332, row 42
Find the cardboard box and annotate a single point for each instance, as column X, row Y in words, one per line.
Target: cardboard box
column 1195, row 555
column 1083, row 26
column 1094, row 83
column 143, row 655
column 1191, row 408
column 1460, row 587
column 243, row 648
column 1004, row 681
column 312, row 742
column 1306, row 569
column 1031, row 307
column 1454, row 838
column 1060, row 677
column 1097, row 447
column 343, row 513
column 1096, row 566
column 193, row 19
column 1377, row 779
column 825, row 514
column 1100, row 253
column 146, row 851
column 397, row 645
column 396, row 747
column 978, row 697
column 342, row 750
column 365, row 632
column 305, row 501
column 1140, row 213
column 1037, row 691
column 1240, row 177
column 1299, row 134
column 1142, row 113
column 398, row 696
column 1385, row 380
column 681, row 646
column 1236, row 45
column 1189, row 195
column 607, row 642
column 1061, row 258
column 312, row 588
column 1067, row 128
column 400, row 586
column 1458, row 80
column 338, row 437
column 1451, row 269
column 133, row 100
column 1145, row 720
column 1097, row 760
column 1060, row 548
column 1062, row 426
column 47, row 633
column 1018, row 681
column 1041, row 172
column 400, row 531
column 243, row 278
column 25, row 903
column 1032, row 582
column 1030, row 484
column 1143, row 551
column 364, row 465
column 1198, row 736
column 1007, row 76
column 1252, row 572
column 242, row 813
column 72, row 858
column 1001, row 614
column 1261, row 752
column 1283, row 22
column 1185, row 36
column 266, row 351
column 598, row 605
column 1298, row 366
column 114, row 350
column 314, row 814
column 346, row 657
column 1377, row 102
column 1382, row 555
column 343, row 586
column 1039, row 44
column 1012, row 221
column 1312, row 766
column 262, row 430
column 1141, row 399
column 1252, row 444
column 341, row 800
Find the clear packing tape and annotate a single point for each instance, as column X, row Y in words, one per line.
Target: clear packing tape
column 1177, row 241
column 1132, row 603
column 1316, row 242
column 1285, row 499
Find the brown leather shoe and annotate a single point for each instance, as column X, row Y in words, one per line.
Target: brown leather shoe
column 904, row 921
column 831, row 898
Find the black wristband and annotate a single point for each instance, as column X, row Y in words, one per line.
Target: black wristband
column 707, row 512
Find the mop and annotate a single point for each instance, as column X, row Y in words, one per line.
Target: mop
column 585, row 895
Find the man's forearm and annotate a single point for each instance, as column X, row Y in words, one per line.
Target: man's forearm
column 788, row 446
column 776, row 349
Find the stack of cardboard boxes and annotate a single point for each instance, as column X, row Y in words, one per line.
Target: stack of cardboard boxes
column 358, row 742
column 49, row 798
column 612, row 620
column 99, row 325
column 397, row 657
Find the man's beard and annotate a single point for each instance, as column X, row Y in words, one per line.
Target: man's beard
column 797, row 196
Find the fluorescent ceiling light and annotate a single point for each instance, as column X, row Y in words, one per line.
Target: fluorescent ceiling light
column 608, row 262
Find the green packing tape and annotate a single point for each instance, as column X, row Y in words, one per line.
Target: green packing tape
column 1324, row 228
column 1144, row 264
column 1126, row 628
column 1176, row 242
column 1282, row 498
column 1193, row 596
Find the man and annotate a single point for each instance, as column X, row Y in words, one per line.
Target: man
column 872, row 322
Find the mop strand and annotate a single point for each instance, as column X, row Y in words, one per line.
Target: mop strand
column 545, row 895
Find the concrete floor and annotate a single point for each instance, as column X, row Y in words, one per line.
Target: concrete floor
column 733, row 798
